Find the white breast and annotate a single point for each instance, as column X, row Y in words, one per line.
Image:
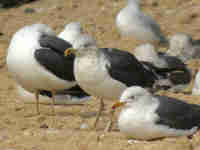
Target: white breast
column 26, row 70
column 91, row 74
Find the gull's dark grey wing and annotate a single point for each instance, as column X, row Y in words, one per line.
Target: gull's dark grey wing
column 178, row 71
column 58, row 64
column 57, row 44
column 177, row 114
column 125, row 68
column 173, row 62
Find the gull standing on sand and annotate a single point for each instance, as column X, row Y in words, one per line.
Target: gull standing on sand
column 172, row 71
column 107, row 72
column 35, row 60
column 147, row 116
column 131, row 21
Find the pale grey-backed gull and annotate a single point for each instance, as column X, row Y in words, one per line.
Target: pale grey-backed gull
column 35, row 60
column 74, row 30
column 107, row 72
column 183, row 46
column 172, row 70
column 131, row 21
column 147, row 116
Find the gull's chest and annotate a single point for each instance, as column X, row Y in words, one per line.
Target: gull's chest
column 89, row 70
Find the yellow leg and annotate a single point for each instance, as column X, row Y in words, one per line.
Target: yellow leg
column 99, row 112
column 37, row 101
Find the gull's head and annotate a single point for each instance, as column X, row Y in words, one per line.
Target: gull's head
column 71, row 32
column 83, row 43
column 181, row 46
column 74, row 27
column 146, row 52
column 179, row 42
column 131, row 95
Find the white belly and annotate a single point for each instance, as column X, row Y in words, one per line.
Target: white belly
column 95, row 80
column 32, row 76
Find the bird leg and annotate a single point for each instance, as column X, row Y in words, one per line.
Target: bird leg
column 110, row 122
column 37, row 101
column 99, row 112
column 53, row 102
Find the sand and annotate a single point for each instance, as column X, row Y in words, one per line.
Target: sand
column 21, row 129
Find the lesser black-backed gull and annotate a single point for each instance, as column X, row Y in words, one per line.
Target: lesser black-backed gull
column 35, row 60
column 147, row 116
column 107, row 72
column 172, row 70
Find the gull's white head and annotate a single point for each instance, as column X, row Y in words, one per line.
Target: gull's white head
column 71, row 32
column 146, row 52
column 133, row 94
column 179, row 42
column 84, row 41
column 181, row 46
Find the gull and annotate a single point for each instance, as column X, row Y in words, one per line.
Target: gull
column 183, row 46
column 106, row 72
column 35, row 60
column 172, row 70
column 74, row 30
column 146, row 116
column 131, row 21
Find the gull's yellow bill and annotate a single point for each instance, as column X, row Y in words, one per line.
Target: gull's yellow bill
column 68, row 51
column 118, row 104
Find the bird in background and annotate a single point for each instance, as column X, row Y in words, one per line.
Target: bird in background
column 173, row 73
column 132, row 22
column 73, row 31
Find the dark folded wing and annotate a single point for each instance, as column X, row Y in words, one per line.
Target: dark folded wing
column 177, row 114
column 125, row 68
column 55, row 63
column 57, row 44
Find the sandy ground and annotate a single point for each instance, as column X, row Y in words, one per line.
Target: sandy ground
column 21, row 129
